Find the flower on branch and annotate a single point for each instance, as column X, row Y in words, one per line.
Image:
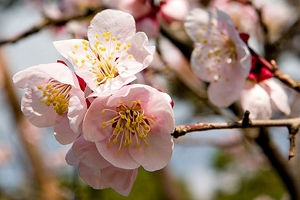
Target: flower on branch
column 132, row 127
column 261, row 91
column 98, row 172
column 53, row 98
column 220, row 56
column 112, row 54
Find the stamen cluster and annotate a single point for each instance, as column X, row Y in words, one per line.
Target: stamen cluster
column 129, row 124
column 57, row 94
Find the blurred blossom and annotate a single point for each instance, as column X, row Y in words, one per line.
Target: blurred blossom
column 284, row 14
column 242, row 14
column 133, row 128
column 220, row 56
column 113, row 54
column 261, row 92
column 98, row 172
column 5, row 154
column 148, row 14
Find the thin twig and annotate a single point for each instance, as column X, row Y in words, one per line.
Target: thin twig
column 292, row 124
column 284, row 78
column 51, row 22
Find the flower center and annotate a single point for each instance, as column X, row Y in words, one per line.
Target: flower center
column 57, row 94
column 103, row 58
column 216, row 47
column 130, row 124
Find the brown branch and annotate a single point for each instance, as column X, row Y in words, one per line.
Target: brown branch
column 284, row 78
column 292, row 124
column 45, row 22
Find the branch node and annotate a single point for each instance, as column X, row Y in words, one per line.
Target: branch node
column 179, row 131
column 292, row 137
column 246, row 122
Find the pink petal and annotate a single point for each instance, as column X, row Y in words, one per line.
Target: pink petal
column 228, row 88
column 67, row 49
column 158, row 154
column 120, row 24
column 142, row 54
column 277, row 95
column 196, row 19
column 121, row 180
column 76, row 110
column 123, row 160
column 88, row 154
column 63, row 132
column 94, row 119
column 255, row 99
column 37, row 113
column 92, row 176
column 71, row 158
column 168, row 8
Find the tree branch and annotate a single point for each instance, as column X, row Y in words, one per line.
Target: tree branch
column 292, row 124
column 51, row 22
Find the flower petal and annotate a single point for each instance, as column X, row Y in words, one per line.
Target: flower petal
column 71, row 158
column 158, row 154
column 196, row 20
column 255, row 99
column 142, row 55
column 76, row 110
column 40, row 74
column 231, row 83
column 37, row 113
column 63, row 132
column 120, row 24
column 88, row 154
column 277, row 95
column 123, row 160
column 92, row 176
column 93, row 121
column 121, row 180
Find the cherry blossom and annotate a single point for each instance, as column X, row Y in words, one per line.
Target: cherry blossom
column 132, row 127
column 98, row 172
column 261, row 91
column 220, row 56
column 53, row 98
column 113, row 54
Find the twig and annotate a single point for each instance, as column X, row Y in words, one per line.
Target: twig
column 286, row 79
column 292, row 124
column 51, row 22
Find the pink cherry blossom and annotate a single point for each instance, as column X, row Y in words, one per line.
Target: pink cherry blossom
column 132, row 127
column 220, row 56
column 113, row 54
column 53, row 98
column 96, row 171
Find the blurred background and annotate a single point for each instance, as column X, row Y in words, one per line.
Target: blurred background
column 218, row 164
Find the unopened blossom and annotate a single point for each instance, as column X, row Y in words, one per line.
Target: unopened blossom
column 132, row 127
column 261, row 92
column 53, row 98
column 220, row 56
column 96, row 171
column 113, row 53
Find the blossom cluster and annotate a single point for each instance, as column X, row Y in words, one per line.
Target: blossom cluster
column 115, row 126
column 235, row 72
